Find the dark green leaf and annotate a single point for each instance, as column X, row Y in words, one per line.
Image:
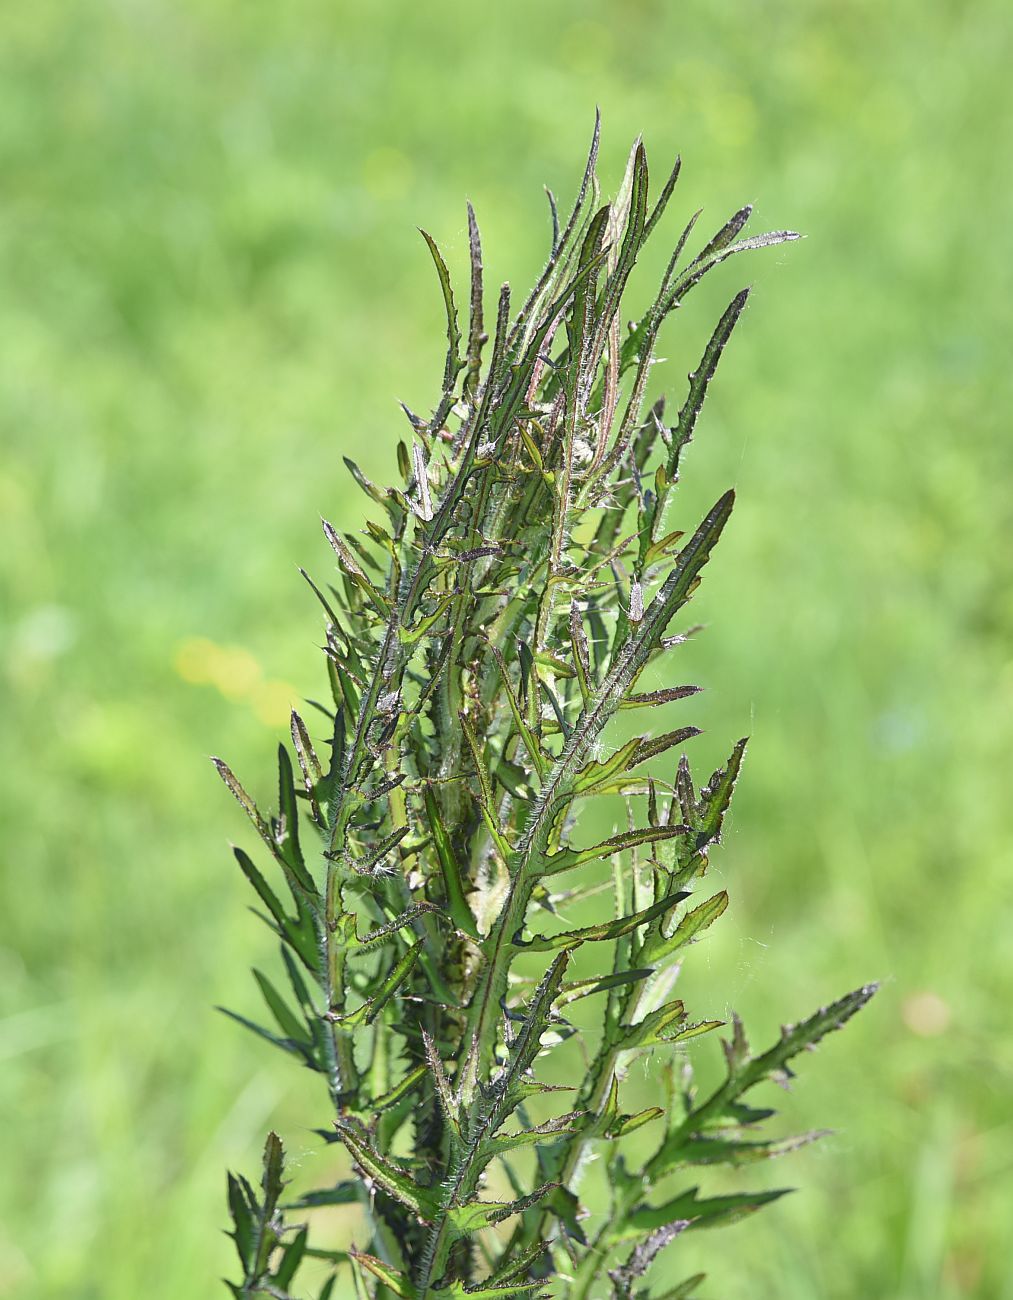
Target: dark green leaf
column 290, row 1260
column 603, row 931
column 453, row 885
column 705, row 1213
column 396, row 1182
column 368, row 1012
column 692, row 924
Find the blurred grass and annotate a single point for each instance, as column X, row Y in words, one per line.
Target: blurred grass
column 210, row 288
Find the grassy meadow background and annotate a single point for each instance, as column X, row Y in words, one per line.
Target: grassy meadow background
column 211, row 287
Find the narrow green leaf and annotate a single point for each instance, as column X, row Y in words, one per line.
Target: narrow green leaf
column 244, row 801
column 293, row 1046
column 266, row 894
column 700, row 378
column 594, row 774
column 370, row 489
column 517, row 1265
column 662, row 203
column 399, row 923
column 705, row 1213
column 807, row 1033
column 476, row 334
column 272, row 1186
column 476, row 1215
column 643, row 1256
column 715, row 797
column 655, row 745
column 651, row 699
column 393, row 1180
column 725, row 235
column 458, row 1290
column 286, row 828
column 393, row 1095
column 581, row 658
column 624, row 1124
column 287, row 1021
column 707, row 1150
column 602, row 983
column 453, row 363
column 346, row 1193
column 603, row 931
column 550, row 1131
column 692, row 924
column 390, row 1277
column 442, row 1083
column 453, row 885
column 291, row 1259
column 566, row 859
column 655, row 1028
column 242, row 1220
column 309, row 764
column 368, row 1012
column 481, row 770
column 683, row 1290
column 529, row 741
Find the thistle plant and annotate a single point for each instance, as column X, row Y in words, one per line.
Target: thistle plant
column 483, row 633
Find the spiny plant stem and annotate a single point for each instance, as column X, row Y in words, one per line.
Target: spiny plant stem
column 483, row 633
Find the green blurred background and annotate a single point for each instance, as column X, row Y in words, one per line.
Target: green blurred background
column 211, row 287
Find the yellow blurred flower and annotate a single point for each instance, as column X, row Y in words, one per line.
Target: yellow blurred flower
column 235, row 673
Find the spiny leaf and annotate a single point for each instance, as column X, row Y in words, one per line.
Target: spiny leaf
column 244, row 801
column 594, row 775
column 370, row 489
column 392, row 1278
column 807, row 1033
column 701, row 377
column 399, row 922
column 475, row 331
column 664, row 696
column 518, row 1264
column 706, row 1150
column 453, row 363
column 566, row 859
column 550, row 1130
column 663, row 198
column 652, row 746
column 725, row 235
column 458, row 1291
column 643, row 1256
column 385, row 1174
column 603, row 931
column 656, row 1027
column 692, row 924
column 716, row 796
column 242, row 1221
column 443, row 1089
column 486, row 1214
column 705, row 1213
column 368, row 1012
